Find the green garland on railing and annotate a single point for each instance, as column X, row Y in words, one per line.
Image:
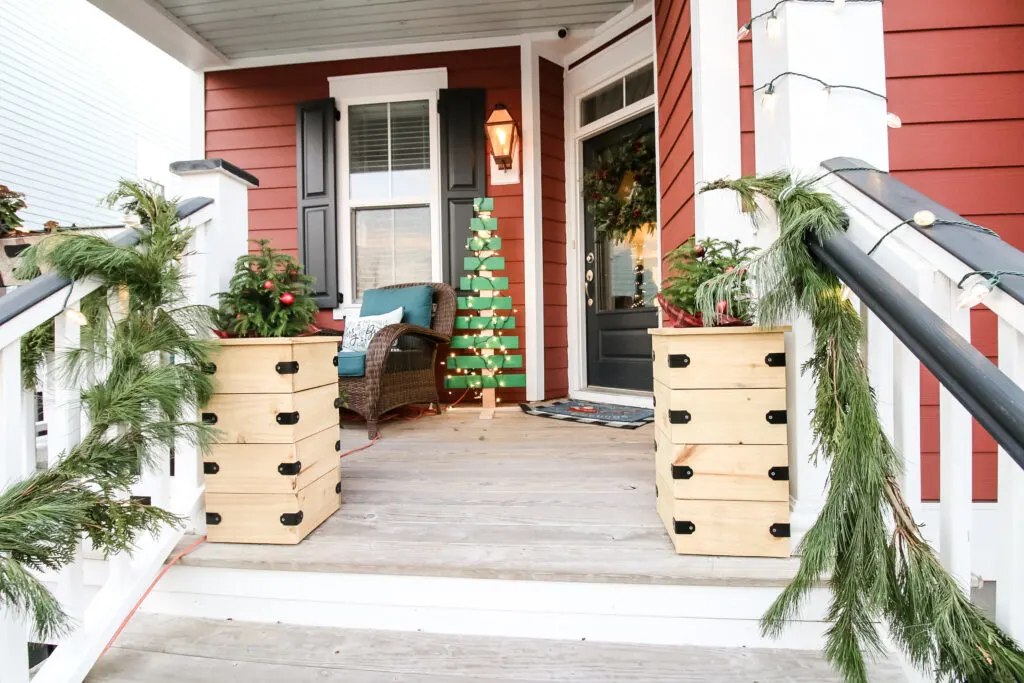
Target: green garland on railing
column 865, row 542
column 135, row 401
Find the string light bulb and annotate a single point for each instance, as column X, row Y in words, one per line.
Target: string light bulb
column 76, row 316
column 838, row 5
column 924, row 218
column 771, row 27
column 743, row 32
column 893, row 121
column 976, row 288
column 768, row 97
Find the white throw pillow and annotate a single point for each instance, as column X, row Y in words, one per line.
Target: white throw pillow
column 359, row 332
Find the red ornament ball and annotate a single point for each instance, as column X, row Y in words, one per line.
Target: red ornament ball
column 722, row 307
column 698, row 251
column 729, row 269
column 268, row 285
column 293, row 272
column 287, row 299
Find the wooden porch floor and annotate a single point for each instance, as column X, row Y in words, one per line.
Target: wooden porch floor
column 518, row 497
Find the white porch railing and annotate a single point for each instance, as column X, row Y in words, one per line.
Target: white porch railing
column 932, row 274
column 98, row 594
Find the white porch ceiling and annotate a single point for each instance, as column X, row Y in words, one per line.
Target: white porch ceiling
column 242, row 29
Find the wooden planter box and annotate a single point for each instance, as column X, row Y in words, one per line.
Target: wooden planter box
column 721, row 460
column 272, row 475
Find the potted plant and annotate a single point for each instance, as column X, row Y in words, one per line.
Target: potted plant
column 720, row 411
column 692, row 264
column 272, row 475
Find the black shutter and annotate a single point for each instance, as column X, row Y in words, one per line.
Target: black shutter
column 463, row 169
column 317, row 188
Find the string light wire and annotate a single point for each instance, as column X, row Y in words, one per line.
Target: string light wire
column 838, row 5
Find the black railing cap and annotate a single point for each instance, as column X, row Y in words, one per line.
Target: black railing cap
column 201, row 165
column 20, row 299
column 978, row 250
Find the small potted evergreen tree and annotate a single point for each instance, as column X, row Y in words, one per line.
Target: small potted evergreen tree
column 720, row 411
column 272, row 475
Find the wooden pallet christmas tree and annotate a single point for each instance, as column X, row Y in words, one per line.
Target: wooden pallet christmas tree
column 485, row 359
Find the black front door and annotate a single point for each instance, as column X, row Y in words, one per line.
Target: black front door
column 619, row 288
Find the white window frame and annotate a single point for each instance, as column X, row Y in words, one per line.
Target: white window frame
column 379, row 88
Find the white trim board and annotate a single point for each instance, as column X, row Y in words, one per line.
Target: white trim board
column 612, row 64
column 533, row 221
column 713, row 616
column 598, row 395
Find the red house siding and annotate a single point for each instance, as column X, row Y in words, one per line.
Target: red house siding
column 552, row 162
column 250, row 121
column 955, row 75
column 746, row 46
column 675, row 121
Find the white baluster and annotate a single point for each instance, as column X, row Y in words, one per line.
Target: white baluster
column 1010, row 577
column 879, row 354
column 907, row 423
column 15, row 460
column 956, row 456
column 64, row 431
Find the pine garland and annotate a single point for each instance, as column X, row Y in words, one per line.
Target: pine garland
column 880, row 569
column 135, row 400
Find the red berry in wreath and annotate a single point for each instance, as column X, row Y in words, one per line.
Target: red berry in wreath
column 287, row 299
column 636, row 213
column 293, row 272
column 268, row 285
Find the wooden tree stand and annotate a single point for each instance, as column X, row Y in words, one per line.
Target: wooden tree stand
column 273, row 474
column 722, row 465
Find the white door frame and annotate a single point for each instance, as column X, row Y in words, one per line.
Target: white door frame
column 612, row 64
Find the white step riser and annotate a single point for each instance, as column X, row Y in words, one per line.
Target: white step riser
column 722, row 616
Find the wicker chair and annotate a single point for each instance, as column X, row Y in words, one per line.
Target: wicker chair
column 400, row 362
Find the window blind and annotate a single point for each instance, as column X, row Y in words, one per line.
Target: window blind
column 391, row 136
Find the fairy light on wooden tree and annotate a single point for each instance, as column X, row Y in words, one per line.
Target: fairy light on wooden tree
column 483, row 366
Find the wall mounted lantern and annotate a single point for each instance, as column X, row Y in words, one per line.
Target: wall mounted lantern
column 503, row 134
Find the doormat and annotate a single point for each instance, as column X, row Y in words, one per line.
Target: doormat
column 588, row 412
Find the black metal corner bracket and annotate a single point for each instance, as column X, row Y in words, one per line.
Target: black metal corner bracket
column 209, row 418
column 776, row 417
column 290, row 367
column 779, row 530
column 678, row 360
column 290, row 469
column 775, row 360
column 288, row 418
column 679, row 417
column 684, row 527
column 682, row 472
column 291, row 518
column 210, row 468
column 213, row 518
column 778, row 473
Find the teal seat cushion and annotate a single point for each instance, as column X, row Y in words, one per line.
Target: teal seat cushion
column 417, row 302
column 351, row 363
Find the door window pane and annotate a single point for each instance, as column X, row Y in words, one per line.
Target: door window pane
column 640, row 84
column 627, row 277
column 389, row 150
column 392, row 246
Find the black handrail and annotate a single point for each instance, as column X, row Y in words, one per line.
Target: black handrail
column 987, row 394
column 978, row 250
column 21, row 299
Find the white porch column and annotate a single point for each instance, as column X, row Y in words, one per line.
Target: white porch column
column 716, row 118
column 797, row 128
column 533, row 226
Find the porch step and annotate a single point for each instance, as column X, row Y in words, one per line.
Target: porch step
column 164, row 649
